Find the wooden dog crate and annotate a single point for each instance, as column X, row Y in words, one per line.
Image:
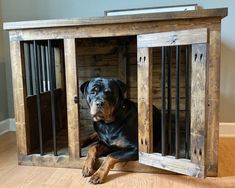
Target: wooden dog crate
column 171, row 60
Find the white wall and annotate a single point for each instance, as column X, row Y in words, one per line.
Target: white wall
column 16, row 10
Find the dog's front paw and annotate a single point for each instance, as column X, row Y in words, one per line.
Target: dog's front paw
column 97, row 178
column 87, row 170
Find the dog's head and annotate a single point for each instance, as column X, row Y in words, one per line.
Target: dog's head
column 103, row 97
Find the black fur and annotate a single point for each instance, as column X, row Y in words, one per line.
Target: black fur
column 121, row 134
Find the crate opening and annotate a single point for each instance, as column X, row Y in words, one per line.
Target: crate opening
column 116, row 57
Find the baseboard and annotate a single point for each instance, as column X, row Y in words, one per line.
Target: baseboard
column 7, row 125
column 227, row 129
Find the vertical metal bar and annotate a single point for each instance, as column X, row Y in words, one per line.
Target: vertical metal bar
column 39, row 62
column 29, row 69
column 169, row 97
column 37, row 83
column 52, row 87
column 163, row 111
column 177, row 126
column 187, row 109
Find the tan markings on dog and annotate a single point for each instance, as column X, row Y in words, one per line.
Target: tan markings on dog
column 94, row 152
column 102, row 172
column 121, row 143
column 84, row 141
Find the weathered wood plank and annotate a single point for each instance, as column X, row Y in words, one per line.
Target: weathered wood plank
column 213, row 95
column 71, row 92
column 200, row 13
column 19, row 93
column 182, row 166
column 122, row 63
column 173, row 38
column 110, row 30
column 145, row 119
column 198, row 105
column 63, row 161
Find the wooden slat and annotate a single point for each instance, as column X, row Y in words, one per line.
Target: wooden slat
column 213, row 93
column 63, row 161
column 145, row 121
column 200, row 13
column 173, row 38
column 182, row 166
column 71, row 92
column 122, row 63
column 198, row 106
column 110, row 30
column 19, row 93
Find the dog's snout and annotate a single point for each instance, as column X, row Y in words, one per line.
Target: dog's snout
column 99, row 104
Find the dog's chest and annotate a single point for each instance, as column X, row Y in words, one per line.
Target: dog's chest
column 112, row 137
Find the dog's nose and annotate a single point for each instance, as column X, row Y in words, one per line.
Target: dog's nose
column 99, row 104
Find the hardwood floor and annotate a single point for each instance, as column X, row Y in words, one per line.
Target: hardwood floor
column 12, row 175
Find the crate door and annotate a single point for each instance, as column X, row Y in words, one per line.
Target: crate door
column 195, row 163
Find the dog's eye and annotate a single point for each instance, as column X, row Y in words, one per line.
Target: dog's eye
column 107, row 91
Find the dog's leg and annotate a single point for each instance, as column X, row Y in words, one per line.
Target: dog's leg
column 85, row 141
column 93, row 152
column 109, row 162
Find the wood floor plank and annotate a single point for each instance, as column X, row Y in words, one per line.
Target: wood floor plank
column 14, row 176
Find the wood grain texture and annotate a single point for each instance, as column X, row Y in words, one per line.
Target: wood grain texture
column 182, row 166
column 14, row 175
column 213, row 95
column 110, row 30
column 173, row 38
column 201, row 13
column 71, row 92
column 19, row 93
column 145, row 119
column 198, row 104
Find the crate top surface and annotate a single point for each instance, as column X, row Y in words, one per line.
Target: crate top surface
column 36, row 24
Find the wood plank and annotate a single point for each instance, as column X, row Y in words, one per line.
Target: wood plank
column 122, row 63
column 198, row 106
column 200, row 13
column 63, row 161
column 19, row 93
column 145, row 119
column 71, row 92
column 173, row 38
column 182, row 166
column 110, row 30
column 213, row 91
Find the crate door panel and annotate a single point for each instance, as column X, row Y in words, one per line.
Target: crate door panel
column 194, row 163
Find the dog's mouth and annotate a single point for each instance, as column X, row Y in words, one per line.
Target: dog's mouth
column 97, row 117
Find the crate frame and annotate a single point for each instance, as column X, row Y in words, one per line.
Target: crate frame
column 69, row 30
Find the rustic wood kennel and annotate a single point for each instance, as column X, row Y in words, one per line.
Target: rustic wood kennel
column 171, row 60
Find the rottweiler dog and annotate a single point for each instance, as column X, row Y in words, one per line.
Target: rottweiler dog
column 116, row 126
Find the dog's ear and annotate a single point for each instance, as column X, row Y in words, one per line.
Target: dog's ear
column 122, row 86
column 83, row 87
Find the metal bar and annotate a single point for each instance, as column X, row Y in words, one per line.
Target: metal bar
column 163, row 111
column 169, row 97
column 29, row 70
column 177, row 126
column 52, row 87
column 187, row 108
column 37, row 83
column 39, row 62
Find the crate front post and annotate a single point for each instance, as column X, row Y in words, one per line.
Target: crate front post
column 145, row 119
column 19, row 93
column 71, row 92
